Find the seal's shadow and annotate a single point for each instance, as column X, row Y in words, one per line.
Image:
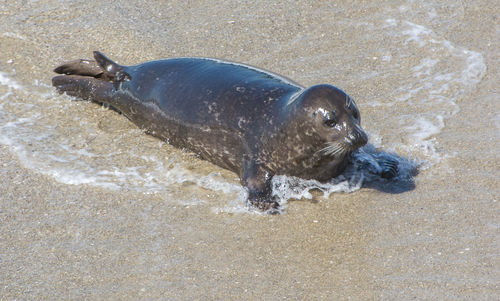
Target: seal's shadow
column 383, row 171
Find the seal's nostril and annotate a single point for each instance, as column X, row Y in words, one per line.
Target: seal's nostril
column 358, row 137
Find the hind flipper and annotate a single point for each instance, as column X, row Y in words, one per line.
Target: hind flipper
column 85, row 68
column 80, row 67
column 84, row 87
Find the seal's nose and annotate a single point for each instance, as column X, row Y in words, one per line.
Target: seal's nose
column 362, row 138
column 357, row 137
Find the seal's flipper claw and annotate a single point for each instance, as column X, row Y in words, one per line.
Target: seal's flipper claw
column 267, row 206
column 389, row 168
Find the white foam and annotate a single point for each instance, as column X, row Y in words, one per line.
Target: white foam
column 444, row 73
column 13, row 35
column 423, row 128
column 71, row 161
column 72, row 165
column 5, row 80
column 416, row 33
column 425, row 67
column 287, row 187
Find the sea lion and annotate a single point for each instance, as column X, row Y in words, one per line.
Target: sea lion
column 250, row 121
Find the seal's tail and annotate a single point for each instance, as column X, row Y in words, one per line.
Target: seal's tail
column 89, row 79
column 81, row 67
column 102, row 68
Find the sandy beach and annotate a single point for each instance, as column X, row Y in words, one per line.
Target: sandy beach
column 92, row 208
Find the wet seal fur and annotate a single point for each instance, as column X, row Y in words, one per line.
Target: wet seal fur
column 250, row 121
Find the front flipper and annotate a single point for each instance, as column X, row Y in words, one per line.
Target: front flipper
column 377, row 163
column 258, row 182
column 389, row 167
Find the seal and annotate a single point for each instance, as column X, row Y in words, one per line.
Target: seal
column 248, row 120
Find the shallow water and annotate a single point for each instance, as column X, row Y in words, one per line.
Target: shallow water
column 112, row 212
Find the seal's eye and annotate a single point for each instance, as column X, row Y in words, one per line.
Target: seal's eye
column 330, row 120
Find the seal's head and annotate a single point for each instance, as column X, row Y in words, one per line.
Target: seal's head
column 334, row 121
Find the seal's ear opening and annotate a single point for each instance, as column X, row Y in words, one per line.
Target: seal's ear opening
column 117, row 72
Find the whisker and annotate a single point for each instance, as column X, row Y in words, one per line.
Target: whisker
column 334, row 150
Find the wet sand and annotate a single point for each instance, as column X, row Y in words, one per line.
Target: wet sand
column 439, row 241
